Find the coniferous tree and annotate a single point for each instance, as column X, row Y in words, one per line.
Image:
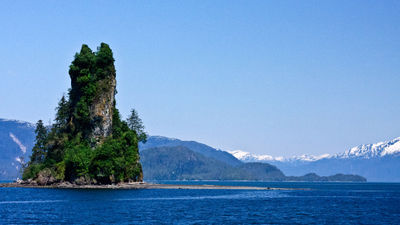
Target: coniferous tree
column 104, row 62
column 62, row 114
column 136, row 124
column 39, row 150
column 58, row 135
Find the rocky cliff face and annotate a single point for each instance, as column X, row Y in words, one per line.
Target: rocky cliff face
column 92, row 93
column 101, row 110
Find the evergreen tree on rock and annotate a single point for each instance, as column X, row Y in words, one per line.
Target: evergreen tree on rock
column 88, row 143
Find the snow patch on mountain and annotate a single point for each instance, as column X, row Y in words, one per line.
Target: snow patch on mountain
column 19, row 159
column 248, row 157
column 394, row 148
column 309, row 158
column 18, row 142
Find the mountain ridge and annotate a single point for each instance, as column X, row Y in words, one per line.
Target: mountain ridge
column 26, row 136
column 380, row 149
column 378, row 162
column 181, row 163
column 157, row 141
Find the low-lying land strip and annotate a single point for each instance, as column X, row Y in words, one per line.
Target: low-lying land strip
column 137, row 185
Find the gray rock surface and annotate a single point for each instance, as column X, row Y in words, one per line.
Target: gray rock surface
column 45, row 177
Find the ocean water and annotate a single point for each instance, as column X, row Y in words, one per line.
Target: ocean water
column 310, row 203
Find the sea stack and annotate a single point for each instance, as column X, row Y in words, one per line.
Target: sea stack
column 89, row 143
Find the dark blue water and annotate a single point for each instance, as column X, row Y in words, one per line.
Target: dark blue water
column 318, row 203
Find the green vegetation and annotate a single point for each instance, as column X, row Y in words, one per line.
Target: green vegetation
column 88, row 141
column 181, row 163
column 135, row 123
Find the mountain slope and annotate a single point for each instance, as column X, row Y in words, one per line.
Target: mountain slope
column 158, row 141
column 381, row 149
column 162, row 158
column 16, row 141
column 181, row 163
column 263, row 171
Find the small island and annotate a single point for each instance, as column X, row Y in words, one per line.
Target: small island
column 89, row 143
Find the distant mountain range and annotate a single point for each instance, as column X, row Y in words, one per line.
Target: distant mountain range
column 369, row 151
column 173, row 159
column 181, row 163
column 376, row 162
column 168, row 158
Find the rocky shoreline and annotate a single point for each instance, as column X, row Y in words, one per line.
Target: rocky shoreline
column 133, row 185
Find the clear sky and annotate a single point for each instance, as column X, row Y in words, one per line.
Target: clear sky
column 269, row 77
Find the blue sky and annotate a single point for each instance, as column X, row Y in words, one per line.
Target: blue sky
column 268, row 77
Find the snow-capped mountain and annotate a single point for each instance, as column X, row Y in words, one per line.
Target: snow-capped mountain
column 376, row 162
column 381, row 149
column 248, row 157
